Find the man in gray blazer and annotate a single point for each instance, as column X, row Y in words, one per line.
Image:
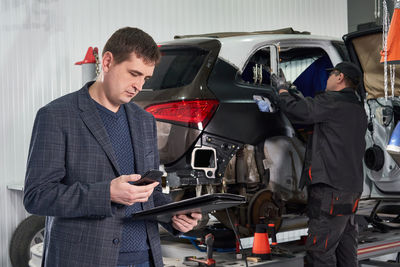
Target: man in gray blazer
column 86, row 149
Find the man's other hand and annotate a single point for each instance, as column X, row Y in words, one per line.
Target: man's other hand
column 122, row 192
column 184, row 223
column 279, row 82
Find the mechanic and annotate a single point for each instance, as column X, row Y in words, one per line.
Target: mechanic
column 333, row 169
column 86, row 149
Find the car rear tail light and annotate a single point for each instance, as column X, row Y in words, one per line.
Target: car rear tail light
column 193, row 113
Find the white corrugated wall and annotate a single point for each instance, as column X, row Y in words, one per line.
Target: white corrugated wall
column 40, row 40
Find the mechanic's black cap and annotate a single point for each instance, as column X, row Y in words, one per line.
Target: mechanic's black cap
column 350, row 70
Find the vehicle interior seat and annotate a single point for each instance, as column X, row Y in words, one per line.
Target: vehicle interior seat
column 261, row 58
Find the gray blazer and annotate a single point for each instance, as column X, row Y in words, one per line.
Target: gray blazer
column 71, row 163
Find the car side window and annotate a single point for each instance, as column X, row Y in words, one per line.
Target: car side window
column 257, row 70
column 305, row 67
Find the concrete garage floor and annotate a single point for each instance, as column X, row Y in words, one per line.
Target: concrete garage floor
column 174, row 250
column 171, row 250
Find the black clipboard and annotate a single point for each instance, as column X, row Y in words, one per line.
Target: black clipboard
column 203, row 204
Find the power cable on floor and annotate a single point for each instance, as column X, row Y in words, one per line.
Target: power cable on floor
column 237, row 237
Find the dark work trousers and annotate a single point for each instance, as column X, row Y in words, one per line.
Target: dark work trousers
column 332, row 235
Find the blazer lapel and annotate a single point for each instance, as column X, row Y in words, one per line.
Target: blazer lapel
column 92, row 119
column 136, row 127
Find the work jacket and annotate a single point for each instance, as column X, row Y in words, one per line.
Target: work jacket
column 334, row 156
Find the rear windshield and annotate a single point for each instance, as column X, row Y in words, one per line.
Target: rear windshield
column 178, row 67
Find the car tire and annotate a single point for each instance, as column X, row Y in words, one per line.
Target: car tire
column 28, row 233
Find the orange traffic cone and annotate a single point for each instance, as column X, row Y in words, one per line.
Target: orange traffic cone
column 261, row 246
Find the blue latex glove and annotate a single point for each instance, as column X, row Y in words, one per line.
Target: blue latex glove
column 263, row 106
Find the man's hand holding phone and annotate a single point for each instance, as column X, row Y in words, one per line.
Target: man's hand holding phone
column 149, row 177
column 123, row 192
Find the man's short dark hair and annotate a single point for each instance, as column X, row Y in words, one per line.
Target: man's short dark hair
column 127, row 40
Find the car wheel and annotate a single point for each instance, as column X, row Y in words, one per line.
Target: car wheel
column 28, row 233
column 265, row 207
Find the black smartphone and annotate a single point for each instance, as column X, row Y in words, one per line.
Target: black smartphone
column 149, row 177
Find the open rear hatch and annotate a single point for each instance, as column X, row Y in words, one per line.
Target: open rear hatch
column 364, row 49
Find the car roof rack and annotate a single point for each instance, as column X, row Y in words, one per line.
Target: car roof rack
column 231, row 34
